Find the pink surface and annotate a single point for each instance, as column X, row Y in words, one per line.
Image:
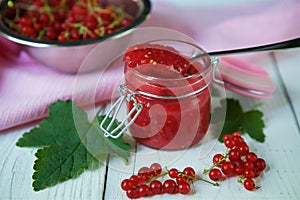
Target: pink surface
column 27, row 88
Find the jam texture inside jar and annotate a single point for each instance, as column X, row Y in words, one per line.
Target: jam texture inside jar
column 173, row 90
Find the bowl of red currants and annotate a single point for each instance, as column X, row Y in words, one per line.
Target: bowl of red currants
column 61, row 33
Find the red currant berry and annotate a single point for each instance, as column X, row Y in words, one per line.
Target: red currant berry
column 28, row 31
column 145, row 173
column 44, row 18
column 156, row 168
column 239, row 163
column 125, row 22
column 156, row 187
column 133, row 193
column 237, row 139
column 142, row 178
column 26, row 21
column 237, row 133
column 189, row 171
column 135, row 180
column 215, row 174
column 173, row 173
column 256, row 173
column 170, row 186
column 181, row 179
column 37, row 26
column 260, row 164
column 248, row 165
column 249, row 184
column 239, row 167
column 144, row 190
column 127, row 184
column 75, row 34
column 229, row 143
column 239, row 170
column 62, row 38
column 184, row 188
column 228, row 168
column 252, row 157
column 217, row 158
column 226, row 137
column 249, row 173
column 243, row 148
column 234, row 155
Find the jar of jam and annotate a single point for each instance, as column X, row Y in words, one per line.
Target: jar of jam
column 172, row 91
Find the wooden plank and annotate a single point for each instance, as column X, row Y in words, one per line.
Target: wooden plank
column 288, row 63
column 17, row 168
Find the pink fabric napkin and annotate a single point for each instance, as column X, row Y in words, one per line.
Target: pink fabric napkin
column 27, row 87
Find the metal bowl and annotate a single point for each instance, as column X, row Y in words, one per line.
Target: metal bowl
column 68, row 56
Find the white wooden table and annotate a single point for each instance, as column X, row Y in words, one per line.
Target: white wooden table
column 280, row 150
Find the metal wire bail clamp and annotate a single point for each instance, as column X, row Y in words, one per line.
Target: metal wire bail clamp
column 128, row 95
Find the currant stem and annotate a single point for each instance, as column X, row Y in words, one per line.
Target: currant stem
column 193, row 178
column 206, row 181
column 225, row 156
column 157, row 176
column 241, row 178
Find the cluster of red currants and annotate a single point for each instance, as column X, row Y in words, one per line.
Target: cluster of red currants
column 57, row 20
column 237, row 161
column 147, row 183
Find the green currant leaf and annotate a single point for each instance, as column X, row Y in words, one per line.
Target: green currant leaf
column 98, row 144
column 69, row 144
column 58, row 163
column 253, row 124
column 55, row 129
column 250, row 122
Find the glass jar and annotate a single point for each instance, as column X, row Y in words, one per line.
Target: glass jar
column 175, row 110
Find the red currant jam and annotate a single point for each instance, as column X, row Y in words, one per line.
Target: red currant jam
column 174, row 92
